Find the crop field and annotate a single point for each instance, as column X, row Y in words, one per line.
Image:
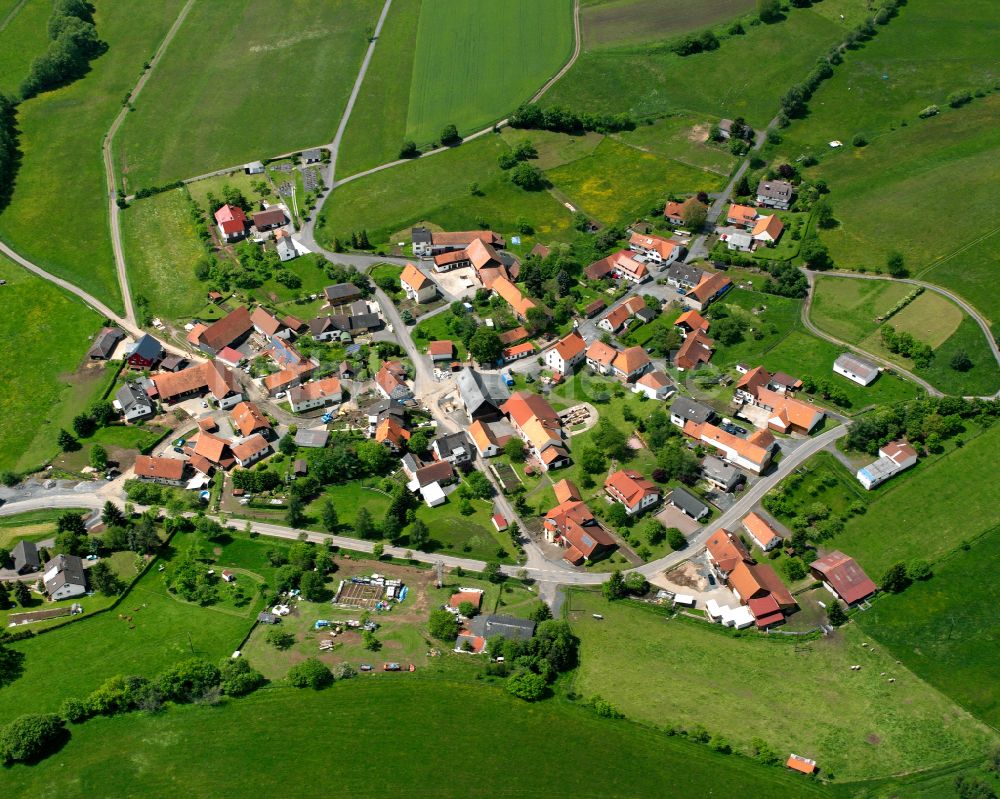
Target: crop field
column 617, row 183
column 385, row 95
column 799, row 697
column 65, row 127
column 314, row 52
column 847, row 308
column 805, row 355
column 56, row 331
column 741, row 78
column 485, row 70
column 168, row 751
column 683, row 137
column 389, row 202
column 928, row 511
column 635, row 21
column 881, row 86
column 23, row 35
column 893, row 186
column 161, row 250
column 942, row 628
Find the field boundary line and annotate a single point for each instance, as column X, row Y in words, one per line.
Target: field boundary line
column 577, row 42
column 11, row 14
column 945, row 258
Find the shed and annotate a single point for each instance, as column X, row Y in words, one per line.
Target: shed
column 301, row 467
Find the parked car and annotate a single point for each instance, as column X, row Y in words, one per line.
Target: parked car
column 178, row 450
column 366, row 667
column 279, row 395
column 391, row 667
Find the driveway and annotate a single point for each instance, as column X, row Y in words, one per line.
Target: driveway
column 675, row 517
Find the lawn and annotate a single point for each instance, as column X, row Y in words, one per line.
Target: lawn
column 944, row 629
column 316, row 49
column 436, row 329
column 971, row 272
column 485, row 70
column 804, row 355
column 931, row 318
column 799, row 697
column 150, row 631
column 768, row 316
column 23, row 36
column 385, row 95
column 617, row 183
column 472, row 536
column 56, row 331
column 741, row 78
column 847, row 308
column 200, row 189
column 168, row 752
column 554, row 149
column 683, row 137
column 161, row 249
column 635, row 21
column 928, row 511
column 65, row 127
column 438, row 189
column 348, row 499
column 33, row 525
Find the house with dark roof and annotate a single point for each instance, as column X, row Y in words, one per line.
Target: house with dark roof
column 105, row 344
column 145, row 353
column 342, row 294
column 685, row 409
column 64, row 577
column 723, row 476
column 230, row 331
column 683, row 276
column 775, row 194
column 269, row 219
column 510, row 627
column 482, row 394
column 134, row 403
column 165, row 471
column 454, row 448
column 688, row 503
column 25, row 557
column 843, row 577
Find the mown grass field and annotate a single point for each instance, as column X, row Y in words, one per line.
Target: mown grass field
column 971, row 272
column 634, row 21
column 47, row 334
column 554, row 149
column 392, row 201
column 161, row 250
column 60, row 185
column 498, row 53
column 167, row 753
column 771, row 317
column 617, row 183
column 683, row 137
column 741, row 78
column 385, row 95
column 262, row 80
column 32, row 525
column 799, row 697
column 847, row 308
column 928, row 511
column 23, row 35
column 946, row 630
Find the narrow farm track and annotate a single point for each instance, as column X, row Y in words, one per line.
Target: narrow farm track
column 972, row 312
column 11, row 14
column 577, row 41
column 109, row 170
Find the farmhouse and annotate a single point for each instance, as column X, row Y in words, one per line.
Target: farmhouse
column 25, row 557
column 758, row 390
column 251, row 450
column 632, row 490
column 894, row 457
column 655, row 249
column 482, row 394
column 619, row 265
column 134, row 403
column 269, row 219
column 248, row 419
column 288, row 378
column 105, row 343
column 843, row 577
column 615, row 319
column 761, row 531
column 64, row 577
column 571, row 525
column 165, row 471
column 707, row 291
column 428, row 243
column 213, row 449
column 538, row 425
column 489, row 437
column 284, row 246
column 390, row 381
column 145, row 353
column 265, row 323
column 210, row 377
column 427, row 480
column 725, row 551
column 695, row 349
column 232, row 222
column 342, row 294
column 511, row 294
column 859, row 370
column 688, row 503
column 775, row 194
column 416, row 285
column 758, row 586
column 229, row 331
column 515, row 336
column 655, row 385
column 567, row 353
column 753, row 454
column 685, row 409
column 673, row 212
column 741, row 215
column 316, row 394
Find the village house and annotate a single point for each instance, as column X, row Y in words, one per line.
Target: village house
column 753, row 454
column 572, row 525
column 655, row 249
column 269, row 219
column 427, row 243
column 428, row 480
column 724, row 551
column 145, row 353
column 482, row 394
column 538, row 425
column 316, row 394
column 570, row 350
column 454, row 448
column 518, row 351
column 601, row 357
column 767, row 229
column 707, row 291
column 695, row 349
column 341, row 294
column 416, row 285
column 441, row 351
column 632, row 490
column 758, row 587
column 390, row 381
column 390, row 433
column 230, row 331
column 630, row 363
column 684, row 410
column 512, row 295
column 736, row 239
column 516, row 336
column 134, row 403
column 775, row 194
column 232, row 222
column 894, row 457
column 165, row 471
column 280, row 382
column 621, row 266
column 284, row 246
column 761, row 531
column 691, row 322
column 64, row 577
column 25, row 557
column 757, row 390
column 673, row 212
column 843, row 577
column 105, row 343
column 856, row 369
column 687, row 503
column 719, row 474
column 593, row 308
column 251, row 450
column 741, row 215
column 209, row 377
column 214, row 450
column 267, row 325
column 249, row 419
column 684, row 276
column 655, row 385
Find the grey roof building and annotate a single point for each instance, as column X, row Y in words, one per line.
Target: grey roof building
column 509, row 627
column 134, row 402
column 722, row 475
column 25, row 556
column 454, row 448
column 687, row 502
column 342, row 293
column 105, row 344
column 683, row 275
column 857, row 369
column 313, row 155
column 685, row 409
column 482, row 394
column 285, row 249
column 64, row 577
column 775, row 194
column 311, row 438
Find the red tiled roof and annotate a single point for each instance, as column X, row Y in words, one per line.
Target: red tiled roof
column 163, row 468
column 845, row 576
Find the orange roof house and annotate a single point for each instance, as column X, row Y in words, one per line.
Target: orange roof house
column 565, row 490
column 572, row 525
column 692, row 321
column 673, row 212
column 566, row 353
column 695, row 349
column 725, row 550
column 514, row 336
column 631, row 362
column 249, row 419
column 519, row 351
column 746, row 453
column 803, row 764
column 761, row 531
column 601, row 356
column 767, row 228
column 743, row 215
column 632, row 490
column 210, row 447
column 511, row 294
column 710, row 287
column 655, row 247
column 486, row 443
column 168, row 470
column 441, row 350
column 391, row 433
column 615, row 318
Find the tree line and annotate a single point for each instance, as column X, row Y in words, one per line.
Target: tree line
column 73, row 42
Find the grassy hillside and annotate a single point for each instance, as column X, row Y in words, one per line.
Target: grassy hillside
column 23, row 35
column 58, row 215
column 255, row 92
column 609, row 22
column 40, row 388
column 417, row 724
column 475, row 62
column 797, row 697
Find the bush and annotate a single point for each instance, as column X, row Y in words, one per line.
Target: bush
column 344, row 671
column 526, row 685
column 74, row 711
column 676, row 539
column 442, row 625
column 239, row 678
column 279, row 639
column 189, row 680
column 859, row 140
column 310, row 673
column 959, row 98
column 29, row 737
